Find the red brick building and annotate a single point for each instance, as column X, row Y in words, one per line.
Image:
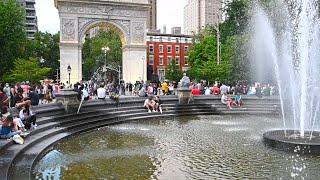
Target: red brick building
column 164, row 48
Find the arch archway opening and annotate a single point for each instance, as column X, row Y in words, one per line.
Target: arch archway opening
column 102, row 52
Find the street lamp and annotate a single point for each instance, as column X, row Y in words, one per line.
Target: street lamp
column 143, row 61
column 69, row 71
column 105, row 50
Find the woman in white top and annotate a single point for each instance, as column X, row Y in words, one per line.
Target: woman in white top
column 28, row 117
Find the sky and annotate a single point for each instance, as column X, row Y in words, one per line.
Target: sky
column 170, row 13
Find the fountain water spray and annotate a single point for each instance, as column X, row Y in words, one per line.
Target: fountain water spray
column 292, row 47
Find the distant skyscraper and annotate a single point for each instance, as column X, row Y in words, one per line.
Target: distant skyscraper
column 152, row 21
column 200, row 13
column 164, row 29
column 176, row 30
column 31, row 17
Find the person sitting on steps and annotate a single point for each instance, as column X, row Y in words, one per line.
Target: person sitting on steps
column 28, row 117
column 227, row 101
column 149, row 104
column 158, row 102
column 238, row 99
column 6, row 128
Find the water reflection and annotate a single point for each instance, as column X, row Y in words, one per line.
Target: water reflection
column 202, row 147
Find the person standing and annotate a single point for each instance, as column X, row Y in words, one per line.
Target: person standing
column 34, row 97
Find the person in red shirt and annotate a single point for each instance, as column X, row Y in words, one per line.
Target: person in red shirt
column 196, row 92
column 216, row 90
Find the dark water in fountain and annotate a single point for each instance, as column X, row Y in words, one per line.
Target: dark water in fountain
column 199, row 147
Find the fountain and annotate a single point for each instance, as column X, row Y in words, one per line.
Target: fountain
column 291, row 39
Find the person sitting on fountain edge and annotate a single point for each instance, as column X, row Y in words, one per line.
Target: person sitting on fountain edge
column 149, row 104
column 227, row 101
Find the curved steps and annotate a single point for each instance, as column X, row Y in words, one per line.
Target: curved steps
column 17, row 161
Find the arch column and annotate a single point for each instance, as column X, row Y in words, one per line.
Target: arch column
column 134, row 63
column 70, row 54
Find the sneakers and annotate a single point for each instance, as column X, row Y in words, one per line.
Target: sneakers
column 154, row 111
column 24, row 134
column 34, row 126
column 161, row 110
column 149, row 111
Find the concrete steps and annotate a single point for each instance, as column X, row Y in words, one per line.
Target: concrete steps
column 17, row 161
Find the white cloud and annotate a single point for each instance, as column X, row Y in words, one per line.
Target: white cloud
column 170, row 13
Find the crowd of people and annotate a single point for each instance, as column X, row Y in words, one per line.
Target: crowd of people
column 25, row 95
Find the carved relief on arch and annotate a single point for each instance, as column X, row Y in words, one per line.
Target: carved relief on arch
column 68, row 32
column 138, row 31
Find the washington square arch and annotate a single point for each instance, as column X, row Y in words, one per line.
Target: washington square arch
column 126, row 17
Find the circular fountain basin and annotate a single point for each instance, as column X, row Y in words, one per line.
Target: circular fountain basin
column 290, row 140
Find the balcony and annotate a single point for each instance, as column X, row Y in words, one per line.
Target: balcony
column 31, row 22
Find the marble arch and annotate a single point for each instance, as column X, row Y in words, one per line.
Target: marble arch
column 128, row 17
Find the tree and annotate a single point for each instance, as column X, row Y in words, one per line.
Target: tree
column 45, row 46
column 173, row 72
column 94, row 57
column 203, row 59
column 27, row 70
column 237, row 18
column 12, row 34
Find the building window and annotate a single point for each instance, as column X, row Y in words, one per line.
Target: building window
column 161, row 74
column 161, row 49
column 151, row 60
column 161, row 60
column 177, row 40
column 177, row 60
column 177, row 49
column 151, row 38
column 169, row 49
column 186, row 40
column 186, row 61
column 186, row 48
column 160, row 39
column 151, row 49
column 169, row 39
column 169, row 60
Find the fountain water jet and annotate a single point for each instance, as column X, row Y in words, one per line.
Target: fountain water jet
column 292, row 48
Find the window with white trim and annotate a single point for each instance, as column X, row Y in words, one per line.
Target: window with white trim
column 177, row 49
column 151, row 48
column 160, row 48
column 177, row 60
column 186, row 48
column 186, row 61
column 170, row 49
column 161, row 60
column 151, row 60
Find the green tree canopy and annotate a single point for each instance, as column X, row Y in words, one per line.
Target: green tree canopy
column 94, row 57
column 203, row 59
column 237, row 18
column 27, row 70
column 12, row 34
column 46, row 46
column 173, row 72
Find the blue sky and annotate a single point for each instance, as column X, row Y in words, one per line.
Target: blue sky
column 170, row 13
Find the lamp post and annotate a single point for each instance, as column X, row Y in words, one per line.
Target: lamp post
column 143, row 63
column 69, row 72
column 105, row 50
